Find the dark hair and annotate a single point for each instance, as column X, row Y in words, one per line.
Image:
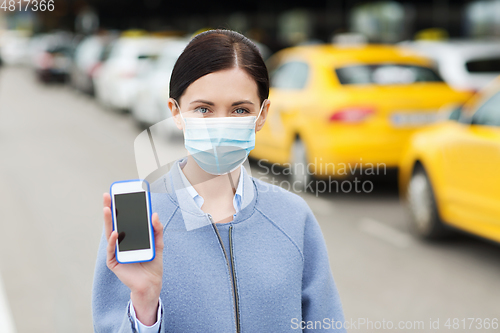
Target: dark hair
column 216, row 50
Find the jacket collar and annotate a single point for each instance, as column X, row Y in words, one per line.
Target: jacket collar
column 193, row 216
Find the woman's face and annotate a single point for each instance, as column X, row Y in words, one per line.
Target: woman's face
column 226, row 93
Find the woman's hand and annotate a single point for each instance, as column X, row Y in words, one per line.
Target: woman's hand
column 144, row 279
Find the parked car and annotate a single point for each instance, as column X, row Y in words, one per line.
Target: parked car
column 89, row 55
column 463, row 64
column 151, row 103
column 115, row 81
column 51, row 55
column 54, row 64
column 40, row 43
column 449, row 173
column 14, row 47
column 333, row 106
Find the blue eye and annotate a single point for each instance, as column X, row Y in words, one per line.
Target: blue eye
column 202, row 110
column 241, row 111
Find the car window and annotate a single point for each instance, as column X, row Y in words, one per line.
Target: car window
column 106, row 52
column 483, row 65
column 385, row 74
column 291, row 75
column 488, row 114
column 455, row 113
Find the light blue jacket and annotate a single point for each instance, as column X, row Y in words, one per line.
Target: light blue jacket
column 278, row 277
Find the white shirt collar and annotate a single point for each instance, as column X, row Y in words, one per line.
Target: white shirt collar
column 238, row 196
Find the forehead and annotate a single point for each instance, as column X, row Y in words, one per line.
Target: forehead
column 223, row 87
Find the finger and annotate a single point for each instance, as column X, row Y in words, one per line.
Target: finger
column 108, row 222
column 110, row 250
column 106, row 199
column 158, row 230
column 157, row 226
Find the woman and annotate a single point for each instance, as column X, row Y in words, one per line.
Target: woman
column 234, row 254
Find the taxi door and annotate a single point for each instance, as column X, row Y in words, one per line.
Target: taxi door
column 472, row 169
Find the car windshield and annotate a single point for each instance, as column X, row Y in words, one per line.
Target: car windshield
column 386, row 74
column 491, row 65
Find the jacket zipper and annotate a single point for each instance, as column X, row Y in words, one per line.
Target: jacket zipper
column 237, row 310
column 233, row 279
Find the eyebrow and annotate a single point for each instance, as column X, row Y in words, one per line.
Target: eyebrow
column 212, row 104
column 202, row 101
column 241, row 102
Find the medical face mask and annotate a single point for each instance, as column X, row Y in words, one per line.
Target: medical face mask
column 219, row 144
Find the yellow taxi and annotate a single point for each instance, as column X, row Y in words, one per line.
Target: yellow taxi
column 338, row 109
column 450, row 171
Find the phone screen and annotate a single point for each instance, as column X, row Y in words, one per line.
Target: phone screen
column 132, row 221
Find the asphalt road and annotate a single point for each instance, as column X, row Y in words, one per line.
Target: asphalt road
column 60, row 151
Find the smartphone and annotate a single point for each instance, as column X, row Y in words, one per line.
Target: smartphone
column 131, row 213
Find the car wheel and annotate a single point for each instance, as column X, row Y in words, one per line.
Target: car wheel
column 299, row 173
column 425, row 221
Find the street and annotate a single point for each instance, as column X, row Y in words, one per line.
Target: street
column 61, row 150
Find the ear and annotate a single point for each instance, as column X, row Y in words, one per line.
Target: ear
column 174, row 109
column 263, row 115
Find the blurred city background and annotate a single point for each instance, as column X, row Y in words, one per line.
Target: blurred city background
column 385, row 117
